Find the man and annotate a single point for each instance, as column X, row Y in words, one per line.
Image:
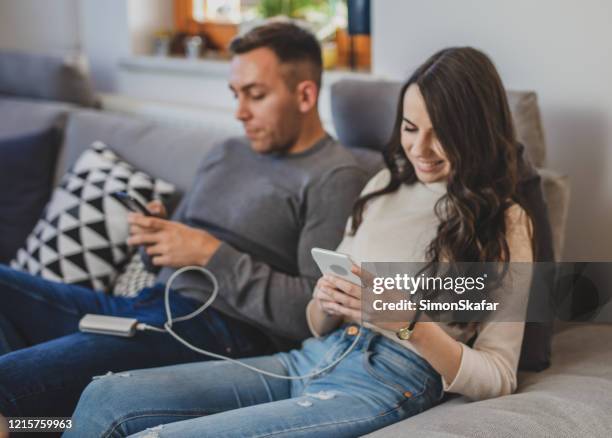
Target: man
column 257, row 207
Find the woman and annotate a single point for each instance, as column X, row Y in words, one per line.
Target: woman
column 448, row 194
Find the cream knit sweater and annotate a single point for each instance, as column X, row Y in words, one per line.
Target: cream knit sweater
column 397, row 228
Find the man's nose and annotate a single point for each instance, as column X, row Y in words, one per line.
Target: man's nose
column 242, row 111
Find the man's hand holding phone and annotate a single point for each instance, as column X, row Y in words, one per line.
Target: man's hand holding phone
column 171, row 243
column 157, row 209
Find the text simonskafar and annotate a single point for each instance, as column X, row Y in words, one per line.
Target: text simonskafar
column 428, row 305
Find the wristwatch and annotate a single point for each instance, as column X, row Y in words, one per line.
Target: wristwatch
column 405, row 333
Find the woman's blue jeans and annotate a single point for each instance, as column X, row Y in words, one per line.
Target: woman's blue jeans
column 377, row 384
column 45, row 362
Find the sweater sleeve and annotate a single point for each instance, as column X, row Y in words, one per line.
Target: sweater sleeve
column 322, row 325
column 276, row 301
column 489, row 368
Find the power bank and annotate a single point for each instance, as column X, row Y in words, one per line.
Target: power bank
column 108, row 325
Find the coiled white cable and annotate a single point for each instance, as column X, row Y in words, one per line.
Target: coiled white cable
column 170, row 320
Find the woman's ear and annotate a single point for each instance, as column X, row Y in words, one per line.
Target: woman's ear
column 307, row 94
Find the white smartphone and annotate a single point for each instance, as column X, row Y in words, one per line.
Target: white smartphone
column 332, row 262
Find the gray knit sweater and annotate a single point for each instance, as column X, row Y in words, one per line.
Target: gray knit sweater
column 269, row 210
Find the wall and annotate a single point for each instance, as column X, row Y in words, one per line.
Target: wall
column 104, row 30
column 40, row 25
column 116, row 29
column 145, row 18
column 105, row 39
column 560, row 48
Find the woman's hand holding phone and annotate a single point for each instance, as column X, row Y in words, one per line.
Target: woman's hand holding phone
column 338, row 297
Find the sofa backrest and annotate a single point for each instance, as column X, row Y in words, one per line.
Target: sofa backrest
column 46, row 77
column 364, row 112
column 168, row 152
column 20, row 116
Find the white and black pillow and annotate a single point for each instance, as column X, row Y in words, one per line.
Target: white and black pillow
column 81, row 237
column 133, row 278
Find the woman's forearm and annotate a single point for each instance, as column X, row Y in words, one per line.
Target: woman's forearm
column 319, row 322
column 438, row 348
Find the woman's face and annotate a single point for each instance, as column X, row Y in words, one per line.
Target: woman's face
column 419, row 140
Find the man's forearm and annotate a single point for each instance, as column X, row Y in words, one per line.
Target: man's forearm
column 265, row 297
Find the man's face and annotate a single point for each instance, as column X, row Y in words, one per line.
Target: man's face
column 267, row 108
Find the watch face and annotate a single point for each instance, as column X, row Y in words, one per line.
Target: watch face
column 404, row 334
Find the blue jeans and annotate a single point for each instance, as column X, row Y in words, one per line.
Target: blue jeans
column 45, row 363
column 377, row 384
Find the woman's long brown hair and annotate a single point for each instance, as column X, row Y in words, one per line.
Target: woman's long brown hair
column 469, row 111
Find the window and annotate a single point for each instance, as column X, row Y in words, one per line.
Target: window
column 218, row 21
column 217, row 10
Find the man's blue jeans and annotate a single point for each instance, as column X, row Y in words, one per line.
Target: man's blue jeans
column 45, row 363
column 377, row 384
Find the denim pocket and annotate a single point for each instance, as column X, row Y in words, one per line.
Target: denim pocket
column 396, row 371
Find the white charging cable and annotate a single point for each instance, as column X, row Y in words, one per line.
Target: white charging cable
column 170, row 320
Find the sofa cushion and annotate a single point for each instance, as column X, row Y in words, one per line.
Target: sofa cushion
column 168, row 152
column 556, row 190
column 364, row 113
column 45, row 77
column 528, row 124
column 27, row 164
column 571, row 398
column 81, row 237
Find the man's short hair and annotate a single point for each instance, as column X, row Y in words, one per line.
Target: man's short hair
column 291, row 44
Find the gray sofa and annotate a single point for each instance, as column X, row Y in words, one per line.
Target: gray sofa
column 571, row 398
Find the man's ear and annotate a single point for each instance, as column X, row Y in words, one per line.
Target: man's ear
column 307, row 94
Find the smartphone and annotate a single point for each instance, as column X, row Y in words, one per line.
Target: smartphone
column 131, row 203
column 332, row 262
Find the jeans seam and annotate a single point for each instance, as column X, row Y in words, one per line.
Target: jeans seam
column 123, row 420
column 118, row 423
column 335, row 423
column 330, row 353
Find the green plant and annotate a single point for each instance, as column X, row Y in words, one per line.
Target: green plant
column 293, row 8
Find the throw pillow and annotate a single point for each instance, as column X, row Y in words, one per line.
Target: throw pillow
column 27, row 164
column 133, row 278
column 81, row 237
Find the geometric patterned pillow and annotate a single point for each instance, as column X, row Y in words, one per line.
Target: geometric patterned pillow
column 133, row 278
column 81, row 236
